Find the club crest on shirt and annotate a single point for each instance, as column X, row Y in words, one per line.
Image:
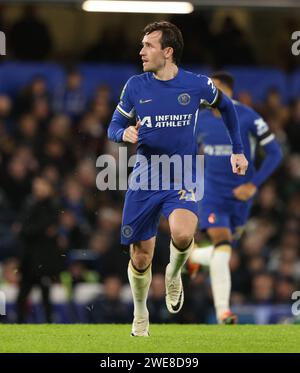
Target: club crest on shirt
column 184, row 99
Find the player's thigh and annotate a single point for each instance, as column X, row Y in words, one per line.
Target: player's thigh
column 219, row 234
column 140, row 217
column 182, row 224
column 181, row 210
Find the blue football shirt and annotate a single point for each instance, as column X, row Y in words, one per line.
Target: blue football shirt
column 167, row 111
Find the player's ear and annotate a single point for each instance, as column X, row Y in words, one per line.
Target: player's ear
column 168, row 51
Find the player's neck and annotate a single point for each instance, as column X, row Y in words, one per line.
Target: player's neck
column 168, row 72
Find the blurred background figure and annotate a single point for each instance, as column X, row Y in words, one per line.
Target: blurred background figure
column 40, row 262
column 70, row 99
column 109, row 306
column 30, row 37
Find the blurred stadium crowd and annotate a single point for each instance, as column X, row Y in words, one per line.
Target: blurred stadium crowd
column 57, row 228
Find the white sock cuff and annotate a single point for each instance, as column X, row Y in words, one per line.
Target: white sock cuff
column 173, row 247
column 136, row 273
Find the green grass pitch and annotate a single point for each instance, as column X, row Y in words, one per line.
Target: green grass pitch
column 164, row 338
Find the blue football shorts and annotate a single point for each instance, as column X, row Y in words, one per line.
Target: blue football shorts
column 232, row 214
column 143, row 208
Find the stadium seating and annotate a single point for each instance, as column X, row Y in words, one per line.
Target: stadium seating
column 255, row 80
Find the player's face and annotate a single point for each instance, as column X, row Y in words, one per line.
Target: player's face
column 153, row 56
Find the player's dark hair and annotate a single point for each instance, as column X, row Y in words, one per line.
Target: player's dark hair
column 171, row 37
column 224, row 77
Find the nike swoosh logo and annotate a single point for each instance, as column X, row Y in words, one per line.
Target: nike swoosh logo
column 176, row 307
column 145, row 101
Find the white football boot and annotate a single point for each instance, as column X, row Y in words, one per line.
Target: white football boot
column 174, row 292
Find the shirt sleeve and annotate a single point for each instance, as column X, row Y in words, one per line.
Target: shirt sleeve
column 126, row 103
column 273, row 154
column 124, row 112
column 209, row 92
column 273, row 157
column 260, row 129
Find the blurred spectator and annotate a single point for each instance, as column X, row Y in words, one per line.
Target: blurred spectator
column 284, row 288
column 70, row 98
column 161, row 260
column 293, row 128
column 6, row 106
column 263, row 289
column 293, row 207
column 240, row 277
column 231, row 46
column 8, row 243
column 109, row 307
column 275, row 108
column 71, row 234
column 268, row 204
column 28, row 132
column 109, row 221
column 10, row 272
column 41, row 260
column 77, row 272
column 198, row 301
column 16, row 183
column 156, row 301
column 109, row 258
column 34, row 94
column 91, row 135
column 56, row 153
column 108, row 42
column 73, row 200
column 292, row 178
column 29, row 37
column 60, row 128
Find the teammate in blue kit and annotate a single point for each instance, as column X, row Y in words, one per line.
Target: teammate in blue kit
column 228, row 198
column 164, row 101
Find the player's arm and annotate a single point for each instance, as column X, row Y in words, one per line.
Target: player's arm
column 267, row 141
column 273, row 157
column 117, row 126
column 118, row 129
column 215, row 98
column 224, row 104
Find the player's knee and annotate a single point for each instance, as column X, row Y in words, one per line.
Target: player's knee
column 141, row 261
column 219, row 235
column 181, row 239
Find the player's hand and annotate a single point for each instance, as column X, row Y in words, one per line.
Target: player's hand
column 131, row 133
column 245, row 191
column 239, row 164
